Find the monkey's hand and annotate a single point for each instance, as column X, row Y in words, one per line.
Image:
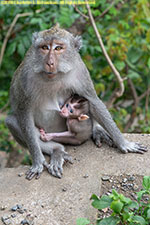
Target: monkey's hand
column 57, row 160
column 132, row 147
column 36, row 169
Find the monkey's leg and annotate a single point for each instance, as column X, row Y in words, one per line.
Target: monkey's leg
column 58, row 157
column 55, row 136
column 68, row 140
column 100, row 135
column 37, row 158
column 63, row 137
column 12, row 124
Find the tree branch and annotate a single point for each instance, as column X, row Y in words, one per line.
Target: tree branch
column 82, row 14
column 117, row 92
column 106, row 10
column 10, row 30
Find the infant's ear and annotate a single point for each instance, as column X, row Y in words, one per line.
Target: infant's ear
column 83, row 117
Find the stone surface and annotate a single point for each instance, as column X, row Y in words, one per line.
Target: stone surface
column 52, row 201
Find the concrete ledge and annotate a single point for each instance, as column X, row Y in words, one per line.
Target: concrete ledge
column 52, row 201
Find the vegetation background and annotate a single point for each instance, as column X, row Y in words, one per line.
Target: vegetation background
column 124, row 26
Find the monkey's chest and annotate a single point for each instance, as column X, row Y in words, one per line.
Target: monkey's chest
column 47, row 115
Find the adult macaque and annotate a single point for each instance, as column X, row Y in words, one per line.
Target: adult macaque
column 50, row 73
column 79, row 124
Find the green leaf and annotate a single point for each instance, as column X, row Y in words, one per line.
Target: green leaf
column 126, row 216
column 134, row 54
column 148, row 63
column 82, row 221
column 146, row 182
column 94, row 197
column 119, row 65
column 148, row 214
column 140, row 194
column 11, row 49
column 139, row 219
column 115, row 193
column 116, row 206
column 99, row 88
column 36, row 21
column 133, row 75
column 133, row 205
column 122, row 197
column 26, row 42
column 109, row 221
column 102, row 203
column 113, row 11
column 21, row 49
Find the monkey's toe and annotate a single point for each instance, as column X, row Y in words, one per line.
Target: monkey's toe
column 68, row 158
column 34, row 172
column 133, row 147
column 138, row 148
column 55, row 170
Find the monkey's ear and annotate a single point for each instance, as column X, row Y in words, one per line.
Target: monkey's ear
column 78, row 42
column 83, row 117
column 34, row 37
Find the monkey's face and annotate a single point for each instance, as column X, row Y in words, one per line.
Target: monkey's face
column 74, row 107
column 51, row 52
column 55, row 52
column 67, row 110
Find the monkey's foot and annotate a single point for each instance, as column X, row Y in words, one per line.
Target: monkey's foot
column 35, row 171
column 133, row 147
column 56, row 165
column 45, row 137
column 100, row 135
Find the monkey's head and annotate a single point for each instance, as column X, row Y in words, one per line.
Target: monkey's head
column 55, row 51
column 75, row 107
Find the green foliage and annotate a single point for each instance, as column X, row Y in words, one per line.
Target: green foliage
column 6, row 143
column 27, row 159
column 124, row 210
column 82, row 221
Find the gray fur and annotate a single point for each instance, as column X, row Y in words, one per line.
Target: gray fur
column 35, row 100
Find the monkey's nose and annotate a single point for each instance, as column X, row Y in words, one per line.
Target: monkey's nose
column 50, row 64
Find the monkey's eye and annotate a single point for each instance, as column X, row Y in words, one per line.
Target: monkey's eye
column 45, row 47
column 67, row 105
column 58, row 48
column 71, row 111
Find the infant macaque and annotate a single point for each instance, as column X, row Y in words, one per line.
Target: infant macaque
column 79, row 123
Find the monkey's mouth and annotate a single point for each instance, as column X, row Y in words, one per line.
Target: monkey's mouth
column 50, row 74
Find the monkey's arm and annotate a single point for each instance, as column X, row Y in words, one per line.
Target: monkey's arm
column 102, row 115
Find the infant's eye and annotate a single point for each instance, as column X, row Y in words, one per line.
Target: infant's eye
column 71, row 111
column 67, row 105
column 58, row 48
column 45, row 47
